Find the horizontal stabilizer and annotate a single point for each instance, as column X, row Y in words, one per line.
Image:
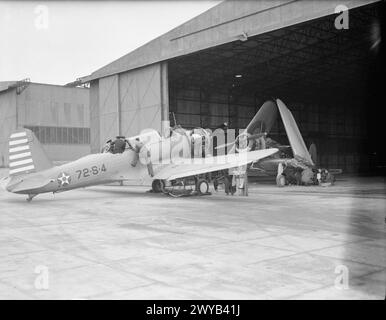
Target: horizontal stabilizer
column 29, row 184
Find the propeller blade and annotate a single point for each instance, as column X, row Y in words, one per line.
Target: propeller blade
column 282, row 147
column 257, row 135
column 249, row 137
column 221, row 146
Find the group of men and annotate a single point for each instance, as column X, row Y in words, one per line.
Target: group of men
column 289, row 175
column 120, row 144
column 228, row 180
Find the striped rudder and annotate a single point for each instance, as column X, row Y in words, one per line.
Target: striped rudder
column 26, row 155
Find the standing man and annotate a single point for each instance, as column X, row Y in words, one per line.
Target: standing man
column 280, row 179
column 298, row 176
column 319, row 176
column 307, row 176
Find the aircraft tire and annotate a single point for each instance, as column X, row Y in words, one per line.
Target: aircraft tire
column 202, row 186
column 158, row 186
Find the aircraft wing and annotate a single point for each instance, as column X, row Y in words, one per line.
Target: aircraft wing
column 262, row 122
column 263, row 119
column 185, row 167
column 294, row 136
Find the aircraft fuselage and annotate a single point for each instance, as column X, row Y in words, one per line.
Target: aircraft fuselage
column 89, row 170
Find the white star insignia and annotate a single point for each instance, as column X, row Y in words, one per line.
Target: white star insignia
column 64, row 179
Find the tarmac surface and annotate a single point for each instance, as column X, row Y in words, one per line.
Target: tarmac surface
column 113, row 242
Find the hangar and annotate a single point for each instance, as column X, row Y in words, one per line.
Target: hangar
column 223, row 64
column 121, row 242
column 58, row 115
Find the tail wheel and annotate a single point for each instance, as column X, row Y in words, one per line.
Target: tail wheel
column 202, row 186
column 158, row 186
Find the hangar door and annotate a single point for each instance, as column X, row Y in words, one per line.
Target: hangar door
column 125, row 104
column 140, row 100
column 104, row 109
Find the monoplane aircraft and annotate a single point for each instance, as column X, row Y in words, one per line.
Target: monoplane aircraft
column 147, row 156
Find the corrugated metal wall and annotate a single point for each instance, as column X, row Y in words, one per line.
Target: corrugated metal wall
column 43, row 106
column 194, row 107
column 48, row 105
column 339, row 132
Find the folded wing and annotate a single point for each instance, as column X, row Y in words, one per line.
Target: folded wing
column 294, row 136
column 264, row 118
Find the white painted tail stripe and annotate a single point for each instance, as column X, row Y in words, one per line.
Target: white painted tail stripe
column 17, row 149
column 19, row 163
column 14, row 142
column 22, row 169
column 18, row 134
column 19, row 155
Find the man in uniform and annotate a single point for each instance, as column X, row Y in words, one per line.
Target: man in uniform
column 280, row 182
column 307, row 176
column 298, row 176
column 119, row 145
column 319, row 176
column 290, row 177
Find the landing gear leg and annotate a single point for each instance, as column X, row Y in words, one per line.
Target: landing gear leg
column 30, row 197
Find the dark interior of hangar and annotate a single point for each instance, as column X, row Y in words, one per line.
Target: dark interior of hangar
column 325, row 76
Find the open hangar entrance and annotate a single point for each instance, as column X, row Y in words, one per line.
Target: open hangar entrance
column 320, row 72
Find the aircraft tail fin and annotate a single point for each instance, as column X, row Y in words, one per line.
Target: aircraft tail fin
column 26, row 154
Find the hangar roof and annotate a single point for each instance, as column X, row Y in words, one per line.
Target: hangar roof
column 227, row 22
column 5, row 85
